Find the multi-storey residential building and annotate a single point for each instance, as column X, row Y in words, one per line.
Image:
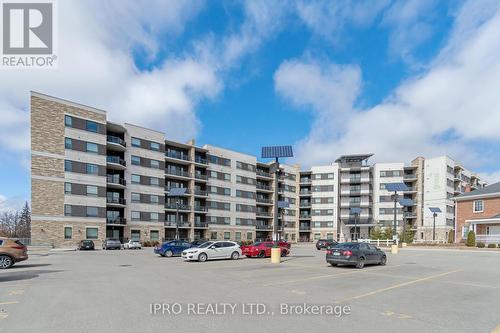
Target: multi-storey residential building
column 92, row 179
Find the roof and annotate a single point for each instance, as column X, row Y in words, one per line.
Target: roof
column 488, row 191
column 353, row 158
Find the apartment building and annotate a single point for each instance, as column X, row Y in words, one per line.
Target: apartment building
column 93, row 178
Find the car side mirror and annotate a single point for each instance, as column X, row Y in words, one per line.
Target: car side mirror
column 212, row 247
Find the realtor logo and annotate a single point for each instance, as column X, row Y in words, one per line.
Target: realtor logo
column 28, row 34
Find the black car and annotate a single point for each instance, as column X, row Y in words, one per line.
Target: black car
column 86, row 245
column 325, row 243
column 198, row 242
column 355, row 254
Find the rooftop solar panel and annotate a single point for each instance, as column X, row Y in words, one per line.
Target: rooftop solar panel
column 277, row 151
column 396, row 187
column 406, row 202
column 177, row 192
column 435, row 209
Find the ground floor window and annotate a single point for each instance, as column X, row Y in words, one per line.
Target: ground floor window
column 213, row 235
column 68, row 232
column 465, row 231
column 286, row 236
column 227, row 235
column 155, row 235
column 237, row 235
column 329, row 236
column 317, row 236
column 91, row 233
column 135, row 235
column 293, row 237
column 249, row 236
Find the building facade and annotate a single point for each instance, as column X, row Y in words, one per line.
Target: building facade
column 94, row 179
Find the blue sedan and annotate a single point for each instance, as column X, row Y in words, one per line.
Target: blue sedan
column 171, row 248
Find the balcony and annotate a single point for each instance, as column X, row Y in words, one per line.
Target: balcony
column 263, row 214
column 172, row 224
column 201, row 161
column 167, row 189
column 116, row 201
column 116, row 220
column 305, row 192
column 264, row 174
column 411, row 189
column 200, row 176
column 115, row 143
column 173, row 206
column 362, row 221
column 201, row 225
column 177, row 155
column 305, row 180
column 264, row 200
column 409, row 177
column 305, row 228
column 199, row 208
column 200, row 193
column 263, row 227
column 305, row 204
column 177, row 173
column 303, row 216
column 115, row 162
column 114, row 181
column 263, row 187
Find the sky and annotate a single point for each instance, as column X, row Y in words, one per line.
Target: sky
column 399, row 79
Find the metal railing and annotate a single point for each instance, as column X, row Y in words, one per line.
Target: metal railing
column 174, row 206
column 263, row 213
column 116, row 160
column 263, row 173
column 115, row 139
column 116, row 220
column 119, row 201
column 263, row 187
column 177, row 155
column 116, row 180
column 200, row 176
column 200, row 192
column 181, row 173
column 199, row 208
column 263, row 200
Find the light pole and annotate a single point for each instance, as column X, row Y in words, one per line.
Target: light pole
column 434, row 211
column 177, row 193
column 282, row 205
column 395, row 187
column 356, row 211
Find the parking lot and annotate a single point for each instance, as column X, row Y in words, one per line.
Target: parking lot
column 121, row 291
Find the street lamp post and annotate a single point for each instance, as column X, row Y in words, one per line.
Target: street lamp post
column 434, row 211
column 176, row 193
column 395, row 187
column 356, row 211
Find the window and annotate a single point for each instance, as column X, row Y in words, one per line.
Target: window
column 92, row 212
column 67, row 188
column 135, row 197
column 68, row 166
column 154, row 216
column 478, row 206
column 317, row 236
column 136, row 142
column 213, row 235
column 68, row 143
column 237, row 235
column 154, row 181
column 293, row 237
column 329, row 236
column 155, row 164
column 154, row 235
column 68, row 121
column 92, row 190
column 135, row 235
column 92, row 169
column 92, row 148
column 67, row 210
column 91, row 233
column 135, row 216
column 68, row 232
column 155, row 146
column 136, row 160
column 154, row 199
column 249, row 236
column 92, row 126
column 136, row 179
column 227, row 235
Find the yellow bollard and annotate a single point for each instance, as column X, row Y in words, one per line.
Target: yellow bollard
column 275, row 255
column 394, row 249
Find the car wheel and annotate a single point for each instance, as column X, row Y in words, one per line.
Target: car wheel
column 6, row 262
column 235, row 255
column 383, row 261
column 202, row 257
column 168, row 253
column 332, row 264
column 361, row 263
column 283, row 253
column 261, row 254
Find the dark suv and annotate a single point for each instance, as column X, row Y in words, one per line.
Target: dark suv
column 86, row 245
column 325, row 243
column 355, row 254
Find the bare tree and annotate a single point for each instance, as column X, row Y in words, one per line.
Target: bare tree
column 16, row 224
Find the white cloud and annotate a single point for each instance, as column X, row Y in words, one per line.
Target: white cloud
column 96, row 67
column 11, row 204
column 458, row 95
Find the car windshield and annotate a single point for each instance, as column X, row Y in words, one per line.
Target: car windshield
column 350, row 246
column 206, row 244
column 87, row 242
column 257, row 244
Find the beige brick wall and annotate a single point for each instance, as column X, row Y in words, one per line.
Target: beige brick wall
column 51, row 232
column 145, row 229
column 47, row 197
column 47, row 126
column 47, row 166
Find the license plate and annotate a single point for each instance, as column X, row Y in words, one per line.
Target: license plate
column 336, row 253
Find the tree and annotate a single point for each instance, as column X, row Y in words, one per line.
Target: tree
column 24, row 224
column 16, row 224
column 387, row 233
column 451, row 237
column 376, row 233
column 471, row 238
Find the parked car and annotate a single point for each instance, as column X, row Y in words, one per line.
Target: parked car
column 86, row 245
column 283, row 243
column 11, row 251
column 355, row 254
column 262, row 250
column 325, row 243
column 198, row 242
column 132, row 244
column 213, row 250
column 171, row 248
column 111, row 244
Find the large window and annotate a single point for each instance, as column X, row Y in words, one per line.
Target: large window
column 237, row 235
column 155, row 164
column 68, row 121
column 154, row 181
column 213, row 235
column 136, row 216
column 136, row 160
column 154, row 216
column 91, row 233
column 154, row 235
column 155, row 146
column 67, row 188
column 67, row 210
column 92, row 211
column 478, row 206
column 92, row 148
column 68, row 143
column 154, row 199
column 135, row 235
column 227, row 235
column 92, row 126
column 92, row 190
column 68, row 166
column 68, row 232
column 136, row 142
column 92, row 169
column 249, row 236
column 136, row 197
column 136, row 179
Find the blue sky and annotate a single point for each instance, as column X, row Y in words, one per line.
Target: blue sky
column 396, row 78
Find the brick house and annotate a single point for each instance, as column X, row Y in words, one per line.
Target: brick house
column 479, row 210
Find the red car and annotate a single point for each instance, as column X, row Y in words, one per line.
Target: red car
column 263, row 249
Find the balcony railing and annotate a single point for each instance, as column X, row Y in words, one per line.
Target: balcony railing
column 263, row 187
column 305, row 180
column 201, row 225
column 182, row 224
column 199, row 208
column 177, row 155
column 200, row 192
column 119, row 201
column 116, row 160
column 305, row 216
column 115, row 180
column 174, row 206
column 200, row 160
column 168, row 188
column 263, row 200
column 116, row 220
column 175, row 172
column 117, row 140
column 200, row 176
column 304, row 228
column 305, row 192
column 263, row 173
column 305, row 204
column 263, row 227
column 263, row 213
